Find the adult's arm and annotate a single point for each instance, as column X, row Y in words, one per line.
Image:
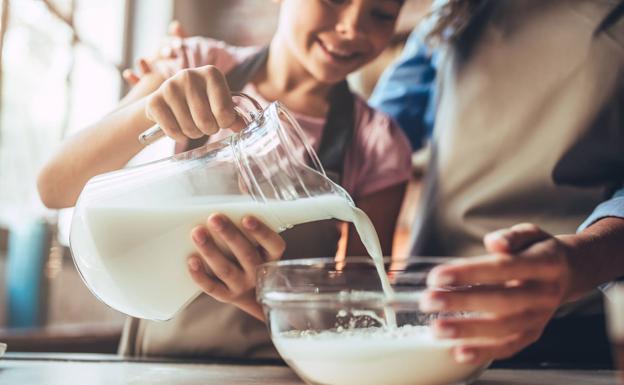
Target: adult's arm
column 528, row 274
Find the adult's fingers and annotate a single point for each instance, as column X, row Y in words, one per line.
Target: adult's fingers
column 181, row 53
column 498, row 269
column 484, row 352
column 500, row 300
column 144, row 67
column 270, row 241
column 177, row 30
column 130, row 77
column 494, row 327
column 515, row 238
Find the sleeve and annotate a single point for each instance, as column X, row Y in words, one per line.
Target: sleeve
column 406, row 91
column 201, row 51
column 386, row 159
column 613, row 207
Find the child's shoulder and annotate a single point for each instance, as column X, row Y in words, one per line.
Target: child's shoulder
column 219, row 53
column 200, row 51
column 381, row 153
column 373, row 124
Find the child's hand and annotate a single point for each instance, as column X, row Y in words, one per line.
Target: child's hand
column 193, row 103
column 233, row 279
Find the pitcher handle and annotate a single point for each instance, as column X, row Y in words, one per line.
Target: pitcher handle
column 154, row 133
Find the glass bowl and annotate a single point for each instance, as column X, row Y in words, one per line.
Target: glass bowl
column 332, row 324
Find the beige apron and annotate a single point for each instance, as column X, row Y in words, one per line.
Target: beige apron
column 208, row 328
column 530, row 127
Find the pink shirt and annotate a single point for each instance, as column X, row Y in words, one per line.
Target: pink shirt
column 379, row 155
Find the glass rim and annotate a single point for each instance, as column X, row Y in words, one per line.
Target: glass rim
column 309, row 262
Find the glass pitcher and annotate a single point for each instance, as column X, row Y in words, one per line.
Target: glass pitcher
column 130, row 234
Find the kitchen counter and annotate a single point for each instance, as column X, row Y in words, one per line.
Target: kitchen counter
column 55, row 369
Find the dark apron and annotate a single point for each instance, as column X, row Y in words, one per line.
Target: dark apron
column 208, row 328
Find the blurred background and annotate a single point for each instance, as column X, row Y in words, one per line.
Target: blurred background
column 60, row 69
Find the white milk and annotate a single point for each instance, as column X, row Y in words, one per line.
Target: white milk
column 134, row 256
column 409, row 355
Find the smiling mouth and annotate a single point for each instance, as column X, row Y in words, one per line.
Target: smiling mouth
column 339, row 55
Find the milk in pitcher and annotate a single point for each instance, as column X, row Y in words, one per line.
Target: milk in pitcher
column 137, row 262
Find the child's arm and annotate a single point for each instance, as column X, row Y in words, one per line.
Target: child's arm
column 193, row 103
column 104, row 146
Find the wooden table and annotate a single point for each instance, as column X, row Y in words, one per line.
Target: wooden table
column 31, row 369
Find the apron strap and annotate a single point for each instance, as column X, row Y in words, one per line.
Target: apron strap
column 338, row 131
column 612, row 17
column 238, row 77
column 339, row 126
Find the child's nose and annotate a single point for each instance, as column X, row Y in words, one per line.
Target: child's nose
column 351, row 22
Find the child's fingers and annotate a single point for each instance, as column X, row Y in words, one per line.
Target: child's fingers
column 200, row 106
column 220, row 97
column 220, row 265
column 273, row 244
column 245, row 252
column 175, row 97
column 159, row 112
column 209, row 285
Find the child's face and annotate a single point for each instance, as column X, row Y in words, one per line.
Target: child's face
column 332, row 38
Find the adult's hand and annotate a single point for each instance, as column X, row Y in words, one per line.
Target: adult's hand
column 171, row 48
column 515, row 291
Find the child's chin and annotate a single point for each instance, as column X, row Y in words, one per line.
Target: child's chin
column 331, row 77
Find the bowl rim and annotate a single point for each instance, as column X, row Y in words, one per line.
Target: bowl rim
column 355, row 259
column 328, row 264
